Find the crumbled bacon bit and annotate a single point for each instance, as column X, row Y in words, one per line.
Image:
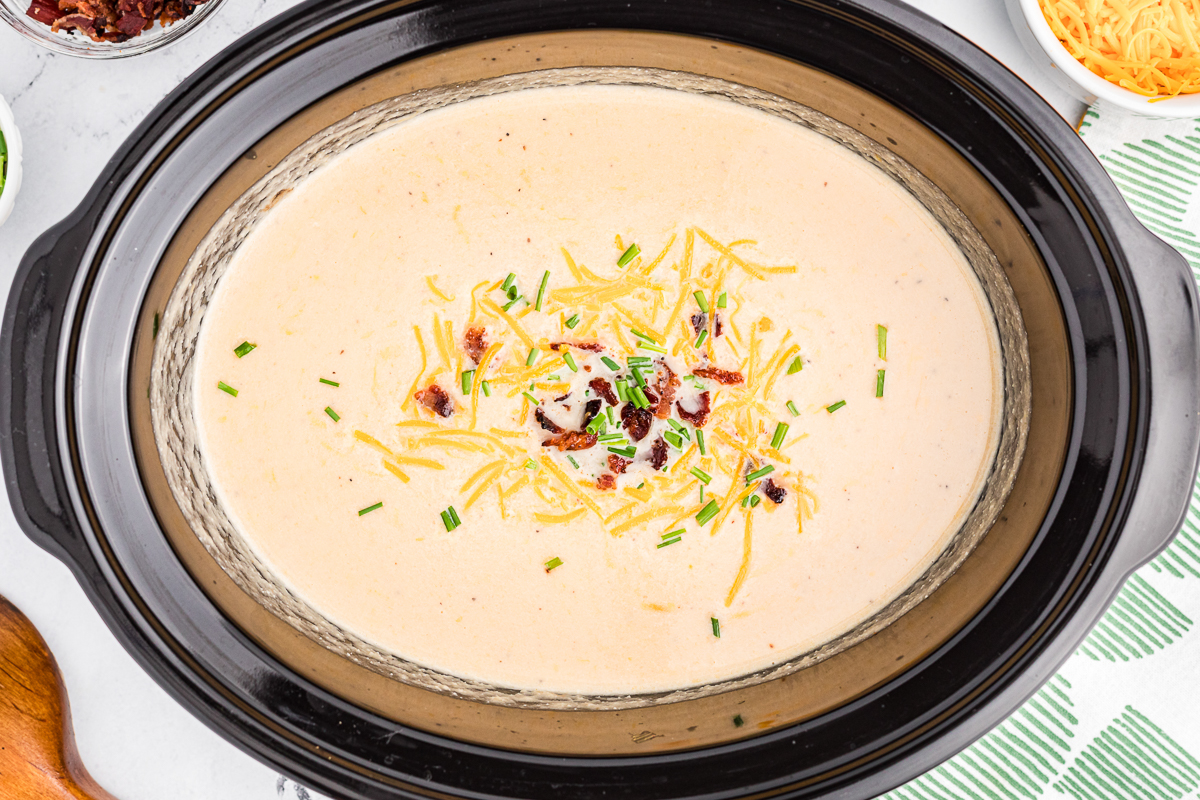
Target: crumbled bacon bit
column 727, row 377
column 606, row 481
column 44, row 11
column 717, row 329
column 590, row 410
column 699, row 322
column 436, row 400
column 132, row 24
column 591, row 347
column 475, row 342
column 546, row 423
column 666, row 385
column 571, row 440
column 562, row 397
column 700, row 415
column 602, row 387
column 636, row 421
column 658, row 453
column 618, row 464
column 109, row 20
column 774, row 491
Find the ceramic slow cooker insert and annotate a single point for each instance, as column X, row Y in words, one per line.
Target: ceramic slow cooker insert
column 1107, row 309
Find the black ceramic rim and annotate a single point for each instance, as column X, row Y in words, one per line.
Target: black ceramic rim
column 997, row 123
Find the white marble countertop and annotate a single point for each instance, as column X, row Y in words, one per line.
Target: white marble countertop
column 136, row 741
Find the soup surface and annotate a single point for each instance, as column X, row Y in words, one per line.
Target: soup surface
column 598, row 390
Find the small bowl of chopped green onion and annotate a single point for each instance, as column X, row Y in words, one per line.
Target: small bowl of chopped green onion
column 10, row 161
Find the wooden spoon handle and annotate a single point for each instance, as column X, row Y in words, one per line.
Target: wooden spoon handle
column 38, row 757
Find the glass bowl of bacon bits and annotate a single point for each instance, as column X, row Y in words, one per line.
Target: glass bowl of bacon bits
column 105, row 28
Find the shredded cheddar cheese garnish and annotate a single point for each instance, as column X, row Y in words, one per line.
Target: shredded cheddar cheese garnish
column 1151, row 47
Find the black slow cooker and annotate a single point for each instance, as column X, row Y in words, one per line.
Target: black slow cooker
column 1110, row 314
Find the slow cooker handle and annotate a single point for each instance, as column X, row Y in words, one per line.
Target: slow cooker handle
column 35, row 472
column 1166, row 290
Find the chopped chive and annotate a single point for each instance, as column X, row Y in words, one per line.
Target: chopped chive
column 700, row 442
column 629, row 255
column 449, row 523
column 879, row 383
column 792, row 408
column 226, row 388
column 574, row 463
column 512, row 302
column 468, row 377
column 508, row 282
column 369, row 509
column 639, row 397
column 677, row 425
column 745, row 501
column 612, row 419
column 512, row 293
column 674, row 439
column 643, row 336
column 700, row 339
column 243, row 348
column 487, row 388
column 754, row 500
column 531, row 398
column 738, row 722
column 454, row 516
column 533, row 354
column 638, row 377
column 668, row 542
column 835, row 406
column 530, row 464
column 881, row 341
column 608, row 362
column 701, row 301
column 796, row 365
column 701, row 475
column 642, row 485
column 154, row 335
column 570, row 359
column 610, row 437
column 542, row 290
column 594, row 425
column 622, row 391
column 723, row 300
column 780, row 431
column 573, row 321
column 552, row 563
column 759, row 473
column 708, row 512
column 329, row 383
column 701, row 493
column 624, row 452
column 333, row 415
column 652, row 346
column 639, row 360
column 716, row 626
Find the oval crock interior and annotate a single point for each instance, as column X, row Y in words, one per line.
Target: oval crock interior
column 706, row 720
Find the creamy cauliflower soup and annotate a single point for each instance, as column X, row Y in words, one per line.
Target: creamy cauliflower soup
column 597, row 390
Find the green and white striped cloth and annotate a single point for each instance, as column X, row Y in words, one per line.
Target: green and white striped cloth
column 1121, row 720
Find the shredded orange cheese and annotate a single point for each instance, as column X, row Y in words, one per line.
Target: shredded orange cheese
column 1151, row 47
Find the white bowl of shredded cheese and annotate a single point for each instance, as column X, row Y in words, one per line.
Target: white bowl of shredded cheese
column 10, row 161
column 1151, row 21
